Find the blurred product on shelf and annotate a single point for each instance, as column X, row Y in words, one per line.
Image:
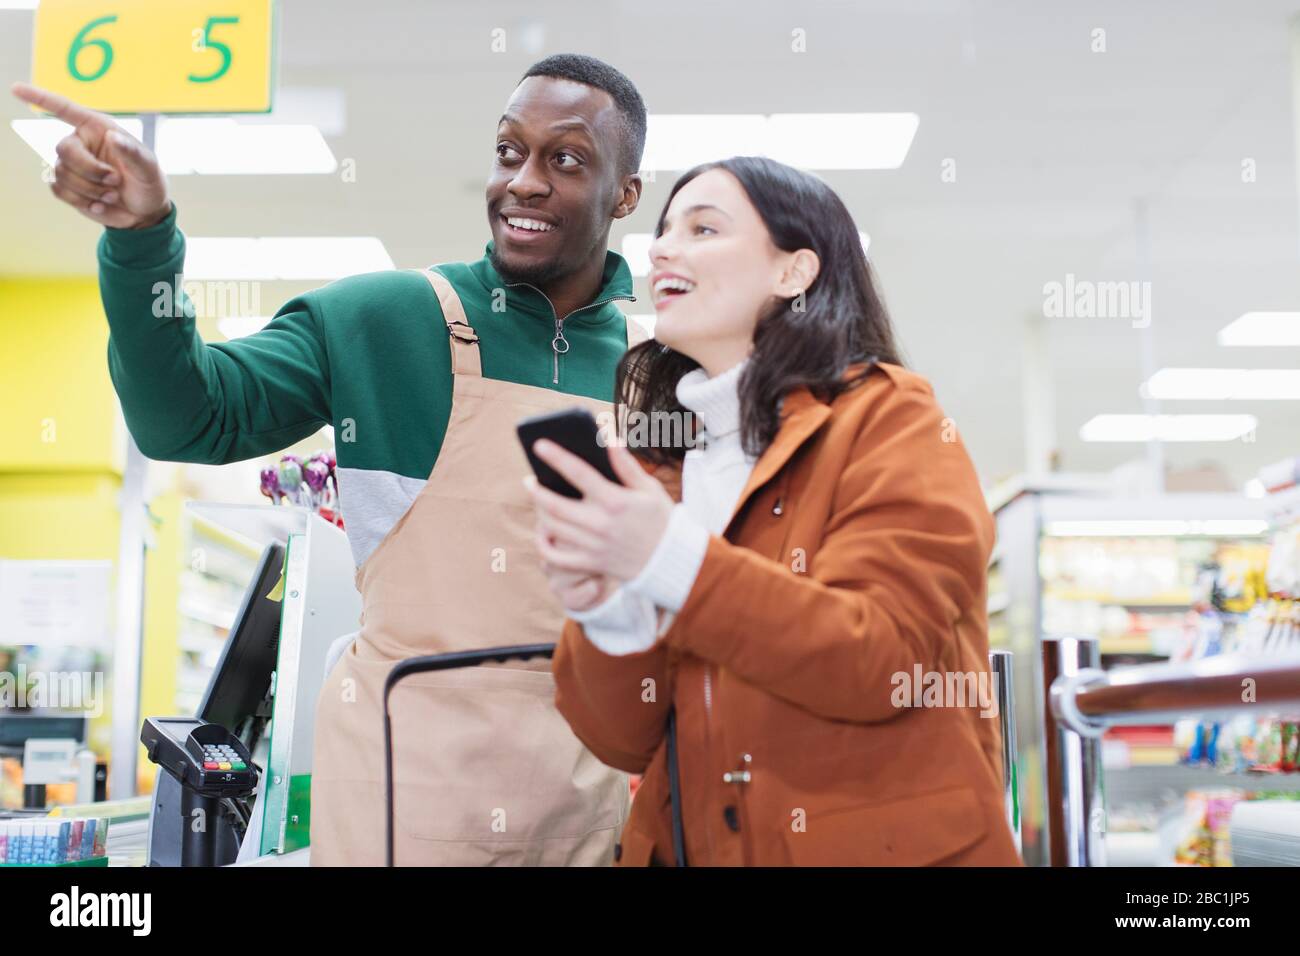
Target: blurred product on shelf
column 1246, row 604
column 1282, row 575
column 1244, row 744
column 1225, row 827
column 48, row 841
column 1150, row 571
column 1139, row 746
column 1207, row 841
column 1146, row 597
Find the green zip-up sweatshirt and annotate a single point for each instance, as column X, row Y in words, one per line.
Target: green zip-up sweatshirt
column 368, row 354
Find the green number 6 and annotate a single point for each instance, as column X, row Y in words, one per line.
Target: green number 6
column 216, row 45
column 79, row 44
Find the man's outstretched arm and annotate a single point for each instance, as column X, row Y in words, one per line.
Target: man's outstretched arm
column 183, row 400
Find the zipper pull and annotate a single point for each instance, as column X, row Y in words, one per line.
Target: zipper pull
column 555, row 347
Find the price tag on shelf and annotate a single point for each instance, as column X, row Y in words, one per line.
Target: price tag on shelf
column 157, row 56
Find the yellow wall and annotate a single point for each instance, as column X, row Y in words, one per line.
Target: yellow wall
column 60, row 413
column 61, row 455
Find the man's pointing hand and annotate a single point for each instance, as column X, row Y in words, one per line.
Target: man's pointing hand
column 102, row 171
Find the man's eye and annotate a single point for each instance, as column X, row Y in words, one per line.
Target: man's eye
column 504, row 150
column 568, row 156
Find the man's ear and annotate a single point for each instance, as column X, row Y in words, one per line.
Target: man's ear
column 800, row 272
column 629, row 197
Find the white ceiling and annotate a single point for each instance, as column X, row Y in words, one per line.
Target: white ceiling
column 1054, row 145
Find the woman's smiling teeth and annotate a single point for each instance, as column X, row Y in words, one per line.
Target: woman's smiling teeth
column 532, row 224
column 672, row 285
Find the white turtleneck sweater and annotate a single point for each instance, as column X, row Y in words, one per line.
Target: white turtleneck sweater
column 713, row 476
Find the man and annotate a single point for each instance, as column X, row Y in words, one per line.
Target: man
column 423, row 375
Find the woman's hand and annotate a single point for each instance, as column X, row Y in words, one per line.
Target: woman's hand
column 613, row 529
column 576, row 590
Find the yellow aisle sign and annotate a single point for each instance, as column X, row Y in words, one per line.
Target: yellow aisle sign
column 157, row 56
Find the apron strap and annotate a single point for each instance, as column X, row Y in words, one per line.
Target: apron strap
column 464, row 340
column 636, row 332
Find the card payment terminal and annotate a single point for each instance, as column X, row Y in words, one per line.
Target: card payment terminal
column 210, row 764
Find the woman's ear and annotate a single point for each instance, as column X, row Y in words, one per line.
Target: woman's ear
column 800, row 272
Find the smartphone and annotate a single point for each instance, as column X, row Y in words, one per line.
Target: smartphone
column 573, row 429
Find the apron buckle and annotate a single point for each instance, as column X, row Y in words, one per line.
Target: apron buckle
column 465, row 332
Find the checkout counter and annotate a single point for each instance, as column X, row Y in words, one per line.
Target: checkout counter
column 260, row 705
column 243, row 760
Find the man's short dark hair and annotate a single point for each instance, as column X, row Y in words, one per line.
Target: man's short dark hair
column 597, row 73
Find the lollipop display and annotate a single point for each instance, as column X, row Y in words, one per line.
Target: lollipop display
column 311, row 484
column 317, row 476
column 271, row 485
column 290, row 475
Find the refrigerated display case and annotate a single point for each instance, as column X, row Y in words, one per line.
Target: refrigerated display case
column 1073, row 559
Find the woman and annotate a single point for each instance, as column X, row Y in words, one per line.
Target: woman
column 782, row 586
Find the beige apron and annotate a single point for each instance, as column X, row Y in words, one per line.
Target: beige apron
column 486, row 770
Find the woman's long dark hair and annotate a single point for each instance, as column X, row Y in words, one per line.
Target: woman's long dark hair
column 842, row 320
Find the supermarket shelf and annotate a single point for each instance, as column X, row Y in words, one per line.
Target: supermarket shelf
column 1009, row 490
column 1144, row 782
column 1139, row 645
column 212, row 590
column 1122, row 657
column 221, row 568
column 232, row 540
column 1139, row 613
column 200, row 645
column 222, row 616
column 1174, row 600
column 1174, row 506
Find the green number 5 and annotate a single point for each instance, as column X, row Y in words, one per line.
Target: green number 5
column 79, row 44
column 216, row 45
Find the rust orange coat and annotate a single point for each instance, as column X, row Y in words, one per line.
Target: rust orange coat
column 859, row 549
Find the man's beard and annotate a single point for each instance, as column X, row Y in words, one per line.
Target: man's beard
column 539, row 274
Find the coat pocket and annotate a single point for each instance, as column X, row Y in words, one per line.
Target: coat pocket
column 921, row 830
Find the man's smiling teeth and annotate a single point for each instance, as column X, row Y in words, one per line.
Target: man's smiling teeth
column 674, row 284
column 529, row 224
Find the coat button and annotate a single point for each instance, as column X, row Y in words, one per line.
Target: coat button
column 618, row 852
column 732, row 818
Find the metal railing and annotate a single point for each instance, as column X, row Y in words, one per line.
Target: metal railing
column 1000, row 666
column 1082, row 701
